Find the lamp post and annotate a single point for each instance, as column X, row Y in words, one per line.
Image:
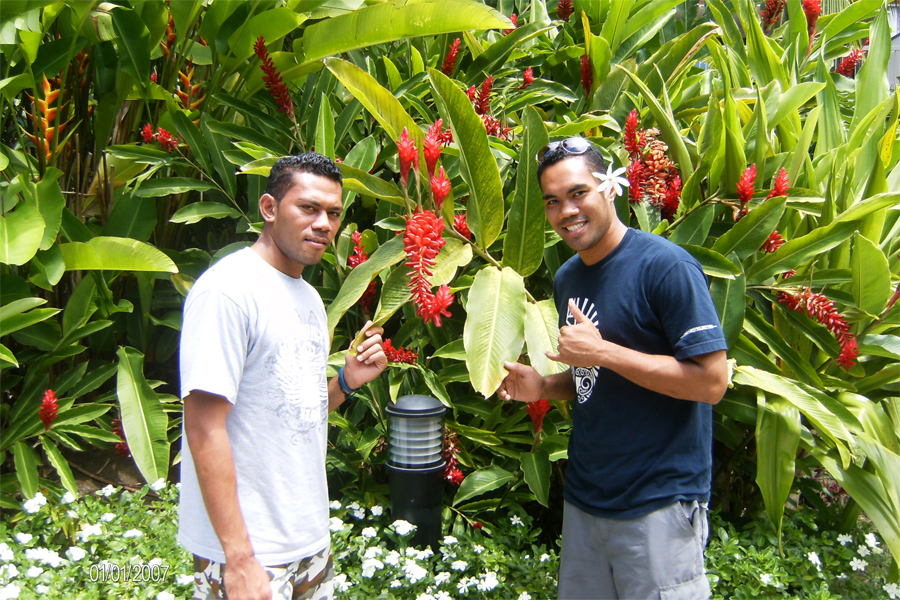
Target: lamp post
column 416, row 464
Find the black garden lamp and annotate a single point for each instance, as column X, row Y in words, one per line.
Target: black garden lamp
column 416, row 464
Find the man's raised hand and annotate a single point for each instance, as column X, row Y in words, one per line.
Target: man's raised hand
column 522, row 383
column 370, row 359
column 580, row 344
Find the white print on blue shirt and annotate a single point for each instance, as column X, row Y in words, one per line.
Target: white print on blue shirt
column 585, row 377
column 696, row 329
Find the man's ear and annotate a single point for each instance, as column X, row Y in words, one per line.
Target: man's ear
column 267, row 204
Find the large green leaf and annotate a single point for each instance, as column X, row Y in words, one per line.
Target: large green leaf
column 143, row 419
column 729, row 297
column 26, row 468
column 765, row 65
column 753, row 230
column 541, row 335
column 477, row 164
column 164, row 186
column 523, row 247
column 115, row 254
column 494, row 326
column 50, row 203
column 325, row 128
column 870, row 205
column 218, row 144
column 21, row 232
column 759, row 328
column 872, row 84
column 498, row 53
column 713, row 263
column 481, row 482
column 272, row 24
column 59, row 463
column 197, row 211
column 134, row 43
column 777, row 439
column 871, row 285
column 796, row 252
column 795, row 97
column 361, row 182
column 396, row 20
column 536, row 466
column 359, row 278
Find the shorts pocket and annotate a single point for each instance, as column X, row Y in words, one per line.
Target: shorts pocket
column 693, row 589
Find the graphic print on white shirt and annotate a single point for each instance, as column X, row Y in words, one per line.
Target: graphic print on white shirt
column 585, row 377
column 297, row 367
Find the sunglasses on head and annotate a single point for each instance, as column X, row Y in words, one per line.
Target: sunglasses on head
column 572, row 145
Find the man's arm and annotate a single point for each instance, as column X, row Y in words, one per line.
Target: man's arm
column 204, row 427
column 369, row 362
column 701, row 378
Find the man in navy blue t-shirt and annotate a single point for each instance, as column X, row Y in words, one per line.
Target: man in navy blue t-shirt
column 639, row 330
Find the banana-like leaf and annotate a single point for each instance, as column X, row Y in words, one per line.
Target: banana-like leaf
column 389, row 21
column 17, row 307
column 218, row 144
column 325, row 128
column 133, row 42
column 115, row 254
column 19, row 321
column 729, row 297
column 753, row 230
column 477, row 164
column 50, row 203
column 7, row 356
column 832, row 132
column 870, row 205
column 800, row 150
column 498, row 53
column 359, row 278
column 273, row 24
column 26, row 468
column 143, row 420
column 795, row 97
column 165, row 186
column 481, row 482
column 197, row 211
column 541, row 335
column 713, row 263
column 359, row 181
column 523, row 247
column 871, row 285
column 777, row 439
column 872, row 81
column 796, row 252
column 494, row 326
column 758, row 327
column 536, row 467
column 21, row 232
column 59, row 463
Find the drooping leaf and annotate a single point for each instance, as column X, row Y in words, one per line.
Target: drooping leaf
column 59, row 463
column 713, row 263
column 536, row 467
column 729, row 298
column 21, row 232
column 796, row 252
column 777, row 439
column 165, row 186
column 541, row 335
column 143, row 420
column 134, row 43
column 115, row 254
column 26, row 468
column 197, row 211
column 753, row 230
column 481, row 482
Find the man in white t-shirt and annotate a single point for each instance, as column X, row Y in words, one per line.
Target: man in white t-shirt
column 254, row 349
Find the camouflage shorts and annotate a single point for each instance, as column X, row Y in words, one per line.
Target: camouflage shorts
column 304, row 579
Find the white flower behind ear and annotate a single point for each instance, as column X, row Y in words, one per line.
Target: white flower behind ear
column 612, row 180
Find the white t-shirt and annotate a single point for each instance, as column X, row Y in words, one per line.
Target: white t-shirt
column 259, row 338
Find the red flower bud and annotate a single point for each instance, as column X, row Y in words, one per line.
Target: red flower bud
column 512, row 18
column 482, row 104
column 782, row 184
column 537, row 410
column 272, row 79
column 630, row 140
column 587, row 76
column 564, row 10
column 812, row 9
column 440, row 187
column 49, row 409
column 527, row 78
column 147, row 133
column 432, row 146
column 746, row 184
column 450, row 59
column 399, row 354
column 409, row 155
column 460, row 225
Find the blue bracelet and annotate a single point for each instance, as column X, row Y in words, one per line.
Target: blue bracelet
column 348, row 391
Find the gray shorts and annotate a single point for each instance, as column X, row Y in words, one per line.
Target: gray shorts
column 658, row 555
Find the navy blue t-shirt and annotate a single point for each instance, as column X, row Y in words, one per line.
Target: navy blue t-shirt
column 633, row 450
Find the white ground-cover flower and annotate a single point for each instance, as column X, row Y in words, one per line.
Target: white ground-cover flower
column 377, row 510
column 396, row 583
column 844, row 539
column 488, row 582
column 403, row 527
column 34, row 572
column 765, row 579
column 412, row 553
column 359, row 514
column 133, row 533
column 814, row 559
column 41, row 589
column 414, row 572
column 858, row 564
column 423, row 554
column 353, row 506
column 10, row 592
column 516, row 521
column 863, row 551
column 335, row 505
column 459, row 565
column 368, row 532
column 442, row 577
column 478, row 548
column 182, row 579
column 44, row 555
column 443, row 595
column 370, row 565
column 158, row 484
column 107, row 491
column 449, row 540
column 340, row 583
column 524, row 596
column 87, row 531
column 392, row 558
column 11, row 571
column 544, row 557
column 611, row 180
column 165, row 596
column 335, row 524
column 871, row 540
column 108, row 517
column 155, row 562
column 67, row 498
column 33, row 505
column 23, row 538
column 425, row 597
column 892, row 590
column 372, row 552
column 6, row 554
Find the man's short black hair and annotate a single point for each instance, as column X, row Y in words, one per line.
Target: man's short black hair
column 281, row 177
column 592, row 158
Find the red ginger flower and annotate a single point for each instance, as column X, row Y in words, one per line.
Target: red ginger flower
column 564, row 10
column 782, row 184
column 452, row 473
column 147, row 133
column 460, row 225
column 537, row 410
column 847, row 68
column 272, row 79
column 746, row 184
column 527, row 78
column 820, row 308
column 672, row 199
column 122, row 448
column 399, row 354
column 630, row 138
column 774, row 242
column 409, row 155
column 49, row 409
column 512, row 18
column 587, row 76
column 482, row 103
column 153, row 76
column 771, row 12
column 432, row 146
column 422, row 241
column 436, row 306
column 359, row 255
column 812, row 8
column 849, row 352
column 471, row 92
column 450, row 59
column 637, row 176
column 440, row 187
